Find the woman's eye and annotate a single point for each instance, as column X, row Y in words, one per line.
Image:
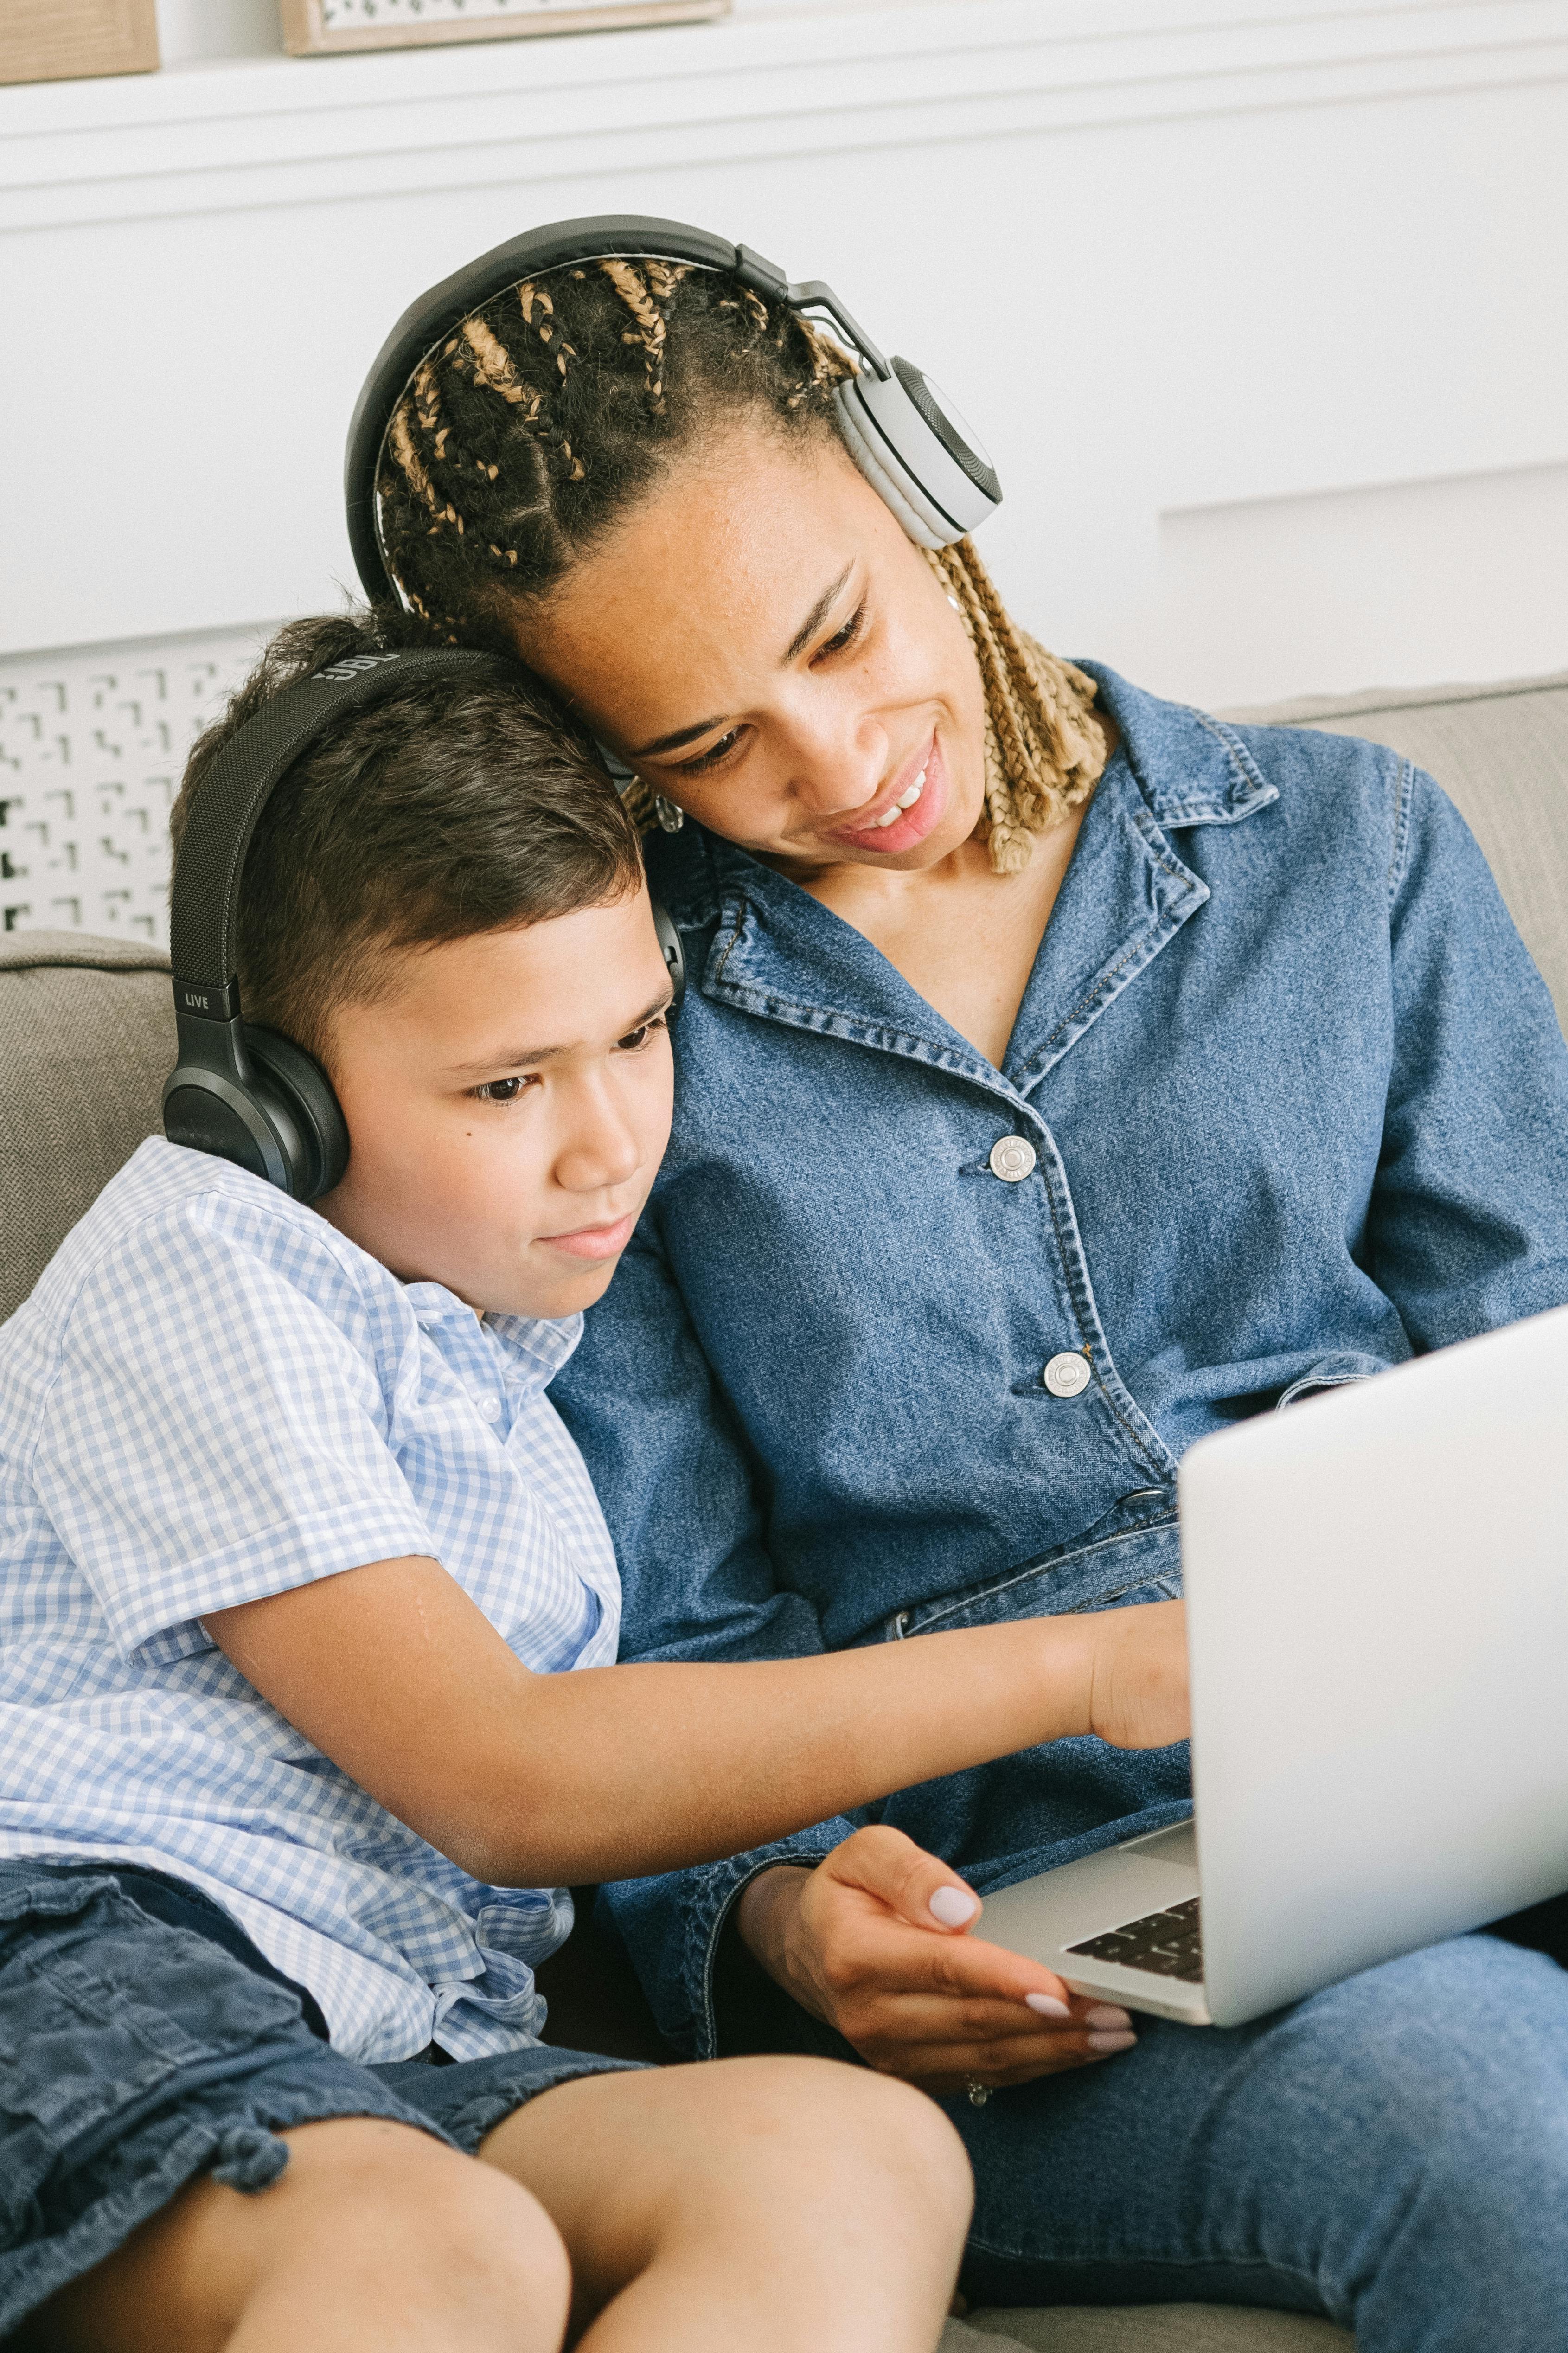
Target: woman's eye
column 712, row 758
column 498, row 1091
column 854, row 629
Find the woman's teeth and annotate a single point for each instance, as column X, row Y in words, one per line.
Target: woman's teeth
column 905, row 801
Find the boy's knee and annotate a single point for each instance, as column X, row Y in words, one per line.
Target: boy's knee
column 389, row 2197
column 859, row 2131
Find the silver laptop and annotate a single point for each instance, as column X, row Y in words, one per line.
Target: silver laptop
column 1377, row 1604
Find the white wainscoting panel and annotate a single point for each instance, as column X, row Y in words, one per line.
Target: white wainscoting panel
column 92, row 742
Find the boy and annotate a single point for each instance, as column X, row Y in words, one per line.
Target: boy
column 308, row 1619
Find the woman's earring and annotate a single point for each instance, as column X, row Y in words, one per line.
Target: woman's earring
column 671, row 818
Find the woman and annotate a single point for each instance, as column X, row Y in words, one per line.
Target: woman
column 1064, row 1074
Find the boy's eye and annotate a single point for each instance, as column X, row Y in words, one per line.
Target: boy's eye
column 636, row 1039
column 499, row 1091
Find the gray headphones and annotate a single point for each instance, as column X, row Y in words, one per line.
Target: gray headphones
column 903, row 433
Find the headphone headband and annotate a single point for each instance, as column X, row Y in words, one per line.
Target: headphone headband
column 203, row 905
column 964, row 490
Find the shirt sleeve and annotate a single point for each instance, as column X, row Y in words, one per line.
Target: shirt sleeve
column 675, row 1479
column 1468, row 1221
column 217, row 1430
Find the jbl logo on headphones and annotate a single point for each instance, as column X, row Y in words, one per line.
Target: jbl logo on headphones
column 354, row 663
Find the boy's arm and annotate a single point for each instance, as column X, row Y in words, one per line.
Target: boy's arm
column 525, row 1780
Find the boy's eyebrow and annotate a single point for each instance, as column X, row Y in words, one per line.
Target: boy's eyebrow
column 527, row 1056
column 797, row 644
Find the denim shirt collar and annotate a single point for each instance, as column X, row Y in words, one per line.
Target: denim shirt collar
column 777, row 952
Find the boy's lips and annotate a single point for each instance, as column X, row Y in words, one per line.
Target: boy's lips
column 594, row 1242
column 905, row 811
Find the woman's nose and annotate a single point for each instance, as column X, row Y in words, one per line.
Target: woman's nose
column 838, row 770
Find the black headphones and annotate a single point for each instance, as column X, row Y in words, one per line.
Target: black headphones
column 906, row 437
column 248, row 1095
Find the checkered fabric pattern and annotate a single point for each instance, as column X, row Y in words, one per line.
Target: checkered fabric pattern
column 212, row 1395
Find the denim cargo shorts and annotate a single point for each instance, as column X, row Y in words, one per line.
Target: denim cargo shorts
column 144, row 2042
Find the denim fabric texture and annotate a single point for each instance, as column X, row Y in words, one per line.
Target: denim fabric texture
column 144, row 2043
column 1296, row 1102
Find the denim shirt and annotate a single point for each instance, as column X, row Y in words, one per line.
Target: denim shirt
column 1294, row 1101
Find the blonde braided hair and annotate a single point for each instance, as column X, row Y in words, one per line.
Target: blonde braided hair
column 1044, row 753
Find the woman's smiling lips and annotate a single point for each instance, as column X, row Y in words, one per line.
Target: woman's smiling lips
column 593, row 1241
column 910, row 808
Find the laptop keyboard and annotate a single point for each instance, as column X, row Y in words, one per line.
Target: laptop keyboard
column 1166, row 1944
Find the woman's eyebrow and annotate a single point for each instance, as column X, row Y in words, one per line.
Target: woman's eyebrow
column 797, row 644
column 673, row 742
column 818, row 614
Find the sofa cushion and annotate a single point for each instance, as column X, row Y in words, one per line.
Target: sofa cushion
column 1501, row 754
column 87, row 1039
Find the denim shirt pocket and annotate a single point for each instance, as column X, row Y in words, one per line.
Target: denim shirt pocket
column 1334, row 1372
column 1141, row 1563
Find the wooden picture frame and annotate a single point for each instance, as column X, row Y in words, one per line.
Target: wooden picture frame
column 335, row 27
column 62, row 40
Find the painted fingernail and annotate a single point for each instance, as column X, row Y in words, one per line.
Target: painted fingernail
column 1048, row 2005
column 1106, row 2015
column 952, row 1906
column 1111, row 2041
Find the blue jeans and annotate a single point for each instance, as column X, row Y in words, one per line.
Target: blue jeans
column 1392, row 2152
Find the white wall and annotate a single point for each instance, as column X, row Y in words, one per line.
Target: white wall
column 1262, row 304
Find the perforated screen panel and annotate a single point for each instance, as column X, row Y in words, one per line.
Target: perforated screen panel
column 93, row 742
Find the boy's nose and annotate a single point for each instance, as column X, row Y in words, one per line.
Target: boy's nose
column 604, row 1152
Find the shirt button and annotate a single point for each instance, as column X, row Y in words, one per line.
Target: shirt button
column 1066, row 1376
column 490, row 1408
column 1012, row 1158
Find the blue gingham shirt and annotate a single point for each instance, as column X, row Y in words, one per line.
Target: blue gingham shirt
column 211, row 1395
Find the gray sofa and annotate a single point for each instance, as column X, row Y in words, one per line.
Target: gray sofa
column 87, row 1037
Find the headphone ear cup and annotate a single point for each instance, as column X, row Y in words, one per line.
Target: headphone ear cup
column 674, row 955
column 917, row 453
column 882, row 481
column 304, row 1095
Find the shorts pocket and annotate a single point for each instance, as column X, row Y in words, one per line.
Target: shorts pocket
column 98, row 2006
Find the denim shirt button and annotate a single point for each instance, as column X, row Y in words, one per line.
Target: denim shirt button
column 1012, row 1158
column 1066, row 1376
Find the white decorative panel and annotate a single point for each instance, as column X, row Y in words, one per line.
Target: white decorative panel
column 92, row 742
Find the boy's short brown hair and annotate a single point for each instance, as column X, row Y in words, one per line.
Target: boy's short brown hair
column 455, row 806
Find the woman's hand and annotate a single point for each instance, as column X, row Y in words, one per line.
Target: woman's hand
column 874, row 1941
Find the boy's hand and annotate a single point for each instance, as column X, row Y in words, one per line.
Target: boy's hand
column 873, row 1941
column 1137, row 1666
